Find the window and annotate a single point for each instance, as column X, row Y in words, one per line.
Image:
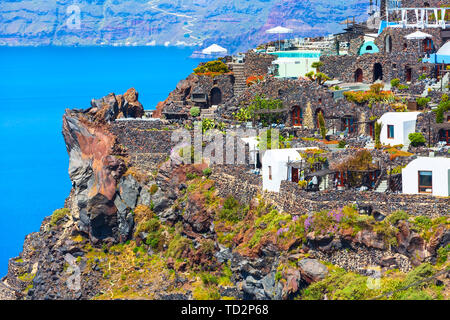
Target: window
column 390, row 133
column 270, row 173
column 425, row 182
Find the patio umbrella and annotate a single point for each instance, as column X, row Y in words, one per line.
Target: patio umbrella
column 418, row 35
column 279, row 30
column 214, row 49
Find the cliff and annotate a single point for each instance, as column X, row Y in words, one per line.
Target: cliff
column 138, row 224
column 236, row 25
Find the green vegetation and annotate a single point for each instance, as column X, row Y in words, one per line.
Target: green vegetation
column 58, row 215
column 397, row 216
column 207, row 172
column 423, row 102
column 195, row 111
column 153, row 189
column 443, row 107
column 265, row 140
column 259, row 104
column 323, row 129
column 212, row 67
column 377, row 131
column 395, row 82
column 232, row 210
column 417, row 139
column 342, row 144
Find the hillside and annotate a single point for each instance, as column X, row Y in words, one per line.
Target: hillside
column 233, row 24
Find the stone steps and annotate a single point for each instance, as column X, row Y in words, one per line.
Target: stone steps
column 240, row 82
column 382, row 187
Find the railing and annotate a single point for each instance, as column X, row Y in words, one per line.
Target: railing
column 424, row 17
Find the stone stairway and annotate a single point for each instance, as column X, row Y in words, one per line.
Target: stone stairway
column 383, row 186
column 239, row 78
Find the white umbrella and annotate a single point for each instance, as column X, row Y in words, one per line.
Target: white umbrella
column 418, row 35
column 214, row 49
column 279, row 30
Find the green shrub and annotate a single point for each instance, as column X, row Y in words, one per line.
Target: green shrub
column 212, row 66
column 422, row 77
column 443, row 107
column 178, row 246
column 342, row 144
column 395, row 82
column 323, row 130
column 397, row 216
column 231, row 210
column 417, row 139
column 442, row 254
column 58, row 215
column 195, row 111
column 209, row 279
column 377, row 128
column 207, row 172
column 423, row 102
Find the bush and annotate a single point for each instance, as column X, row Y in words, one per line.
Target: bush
column 417, row 139
column 342, row 144
column 323, row 130
column 395, row 217
column 377, row 88
column 212, row 67
column 231, row 210
column 423, row 102
column 195, row 111
column 58, row 215
column 395, row 82
column 207, row 172
column 178, row 246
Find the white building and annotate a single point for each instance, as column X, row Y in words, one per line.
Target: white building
column 275, row 166
column 397, row 126
column 427, row 176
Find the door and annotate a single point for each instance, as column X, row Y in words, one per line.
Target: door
column 295, row 175
column 297, row 116
column 408, row 74
column 358, row 75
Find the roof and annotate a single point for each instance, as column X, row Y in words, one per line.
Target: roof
column 418, row 35
column 284, row 155
column 429, row 163
column 445, row 49
column 399, row 116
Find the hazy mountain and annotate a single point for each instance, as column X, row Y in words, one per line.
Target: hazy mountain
column 235, row 24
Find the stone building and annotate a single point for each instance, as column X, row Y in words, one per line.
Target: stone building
column 303, row 100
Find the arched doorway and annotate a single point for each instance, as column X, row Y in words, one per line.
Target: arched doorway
column 408, row 74
column 216, row 96
column 318, row 111
column 388, row 44
column 358, row 75
column 377, row 72
column 297, row 116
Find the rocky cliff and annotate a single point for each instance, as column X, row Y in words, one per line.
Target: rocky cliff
column 138, row 224
column 233, row 24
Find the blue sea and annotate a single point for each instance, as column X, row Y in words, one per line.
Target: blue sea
column 36, row 86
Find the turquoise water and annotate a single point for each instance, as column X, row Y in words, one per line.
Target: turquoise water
column 36, row 86
column 296, row 54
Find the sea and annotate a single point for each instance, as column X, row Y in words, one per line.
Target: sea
column 36, row 85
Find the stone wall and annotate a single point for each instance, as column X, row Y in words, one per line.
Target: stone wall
column 394, row 63
column 295, row 201
column 257, row 64
column 311, row 98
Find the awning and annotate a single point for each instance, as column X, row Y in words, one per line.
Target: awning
column 214, row 49
column 418, row 35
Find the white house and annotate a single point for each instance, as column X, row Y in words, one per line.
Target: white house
column 427, row 176
column 275, row 166
column 397, row 126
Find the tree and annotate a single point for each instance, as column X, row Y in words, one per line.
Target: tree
column 377, row 129
column 317, row 65
column 323, row 130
